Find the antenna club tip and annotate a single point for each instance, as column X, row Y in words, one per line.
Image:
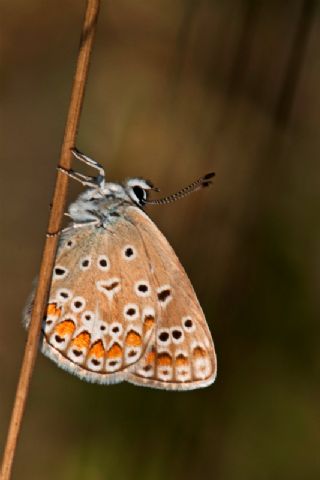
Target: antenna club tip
column 206, row 180
column 209, row 175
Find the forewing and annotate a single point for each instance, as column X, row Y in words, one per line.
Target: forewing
column 102, row 309
column 181, row 354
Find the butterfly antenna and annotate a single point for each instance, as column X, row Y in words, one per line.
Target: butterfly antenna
column 202, row 182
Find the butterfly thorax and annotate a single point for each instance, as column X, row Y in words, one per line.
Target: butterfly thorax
column 106, row 202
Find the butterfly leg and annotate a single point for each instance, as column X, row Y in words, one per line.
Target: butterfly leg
column 80, row 225
column 89, row 161
column 73, row 226
column 85, row 180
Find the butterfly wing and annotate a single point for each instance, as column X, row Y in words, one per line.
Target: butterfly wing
column 180, row 354
column 102, row 309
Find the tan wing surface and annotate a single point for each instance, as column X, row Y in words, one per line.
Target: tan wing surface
column 102, row 308
column 181, row 354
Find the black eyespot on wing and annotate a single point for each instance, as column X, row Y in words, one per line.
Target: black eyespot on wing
column 164, row 294
column 188, row 323
column 77, row 353
column 128, row 252
column 176, row 334
column 143, row 287
column 163, row 337
column 59, row 339
column 59, row 271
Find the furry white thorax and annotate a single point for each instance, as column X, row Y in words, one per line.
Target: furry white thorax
column 102, row 203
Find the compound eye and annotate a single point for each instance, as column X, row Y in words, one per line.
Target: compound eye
column 139, row 193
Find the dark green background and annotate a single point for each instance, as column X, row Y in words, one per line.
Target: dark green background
column 176, row 89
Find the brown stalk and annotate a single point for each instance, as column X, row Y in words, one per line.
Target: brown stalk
column 50, row 246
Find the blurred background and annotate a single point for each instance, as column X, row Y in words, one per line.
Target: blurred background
column 176, row 89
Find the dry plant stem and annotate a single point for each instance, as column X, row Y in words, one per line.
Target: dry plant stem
column 55, row 220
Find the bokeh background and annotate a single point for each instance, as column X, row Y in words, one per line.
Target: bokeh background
column 176, row 88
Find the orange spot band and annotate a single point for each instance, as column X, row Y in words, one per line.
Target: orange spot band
column 148, row 323
column 199, row 352
column 82, row 340
column 164, row 359
column 181, row 360
column 66, row 327
column 150, row 358
column 133, row 339
column 97, row 349
column 115, row 351
column 53, row 310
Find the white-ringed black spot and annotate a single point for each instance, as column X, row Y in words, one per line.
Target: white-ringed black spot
column 77, row 353
column 103, row 263
column 78, row 304
column 70, row 243
column 142, row 288
column 59, row 339
column 95, row 362
column 131, row 311
column 85, row 263
column 87, row 316
column 177, row 335
column 115, row 329
column 59, row 271
column 63, row 294
column 164, row 294
column 133, row 353
column 163, row 336
column 129, row 252
column 111, row 285
column 188, row 324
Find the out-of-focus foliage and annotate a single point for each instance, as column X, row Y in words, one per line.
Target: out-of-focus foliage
column 176, row 89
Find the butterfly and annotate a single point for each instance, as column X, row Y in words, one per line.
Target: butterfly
column 120, row 306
